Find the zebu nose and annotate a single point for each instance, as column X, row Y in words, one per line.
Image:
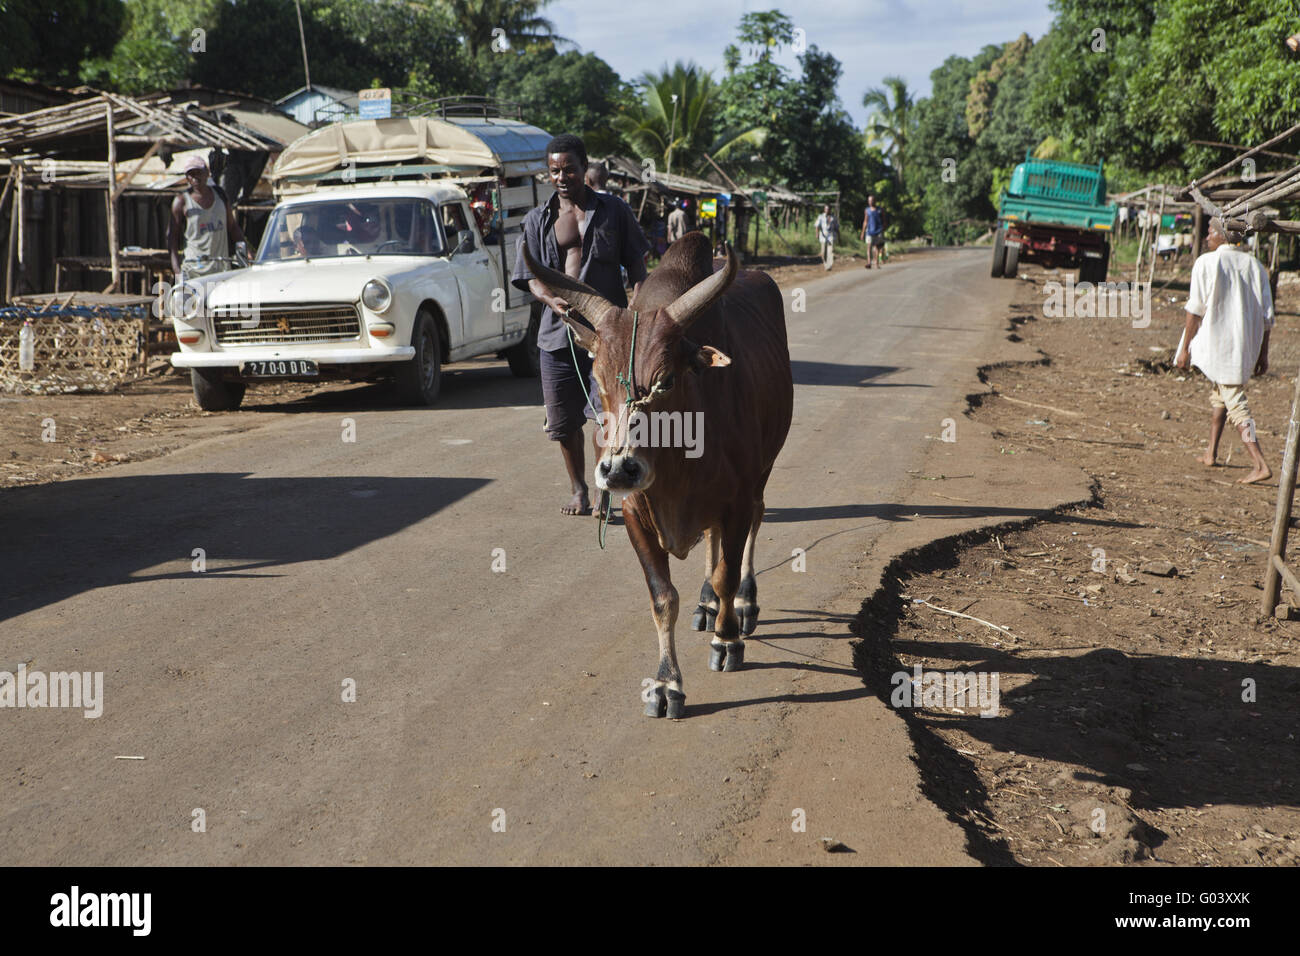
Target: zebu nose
column 619, row 473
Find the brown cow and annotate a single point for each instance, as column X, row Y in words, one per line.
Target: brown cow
column 731, row 376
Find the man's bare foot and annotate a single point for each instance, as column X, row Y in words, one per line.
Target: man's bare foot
column 577, row 504
column 600, row 504
column 1262, row 473
column 1205, row 459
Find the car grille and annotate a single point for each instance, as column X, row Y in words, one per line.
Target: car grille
column 287, row 324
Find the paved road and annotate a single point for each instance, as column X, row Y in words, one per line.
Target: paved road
column 482, row 697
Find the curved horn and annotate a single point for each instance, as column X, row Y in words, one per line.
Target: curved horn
column 703, row 294
column 580, row 296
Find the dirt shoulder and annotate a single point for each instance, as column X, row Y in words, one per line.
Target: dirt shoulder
column 1148, row 714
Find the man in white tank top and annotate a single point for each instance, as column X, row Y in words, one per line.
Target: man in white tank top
column 207, row 224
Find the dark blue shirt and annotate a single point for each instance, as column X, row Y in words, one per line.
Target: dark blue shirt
column 613, row 238
column 874, row 225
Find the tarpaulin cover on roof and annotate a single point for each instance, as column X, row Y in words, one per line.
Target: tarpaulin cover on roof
column 468, row 142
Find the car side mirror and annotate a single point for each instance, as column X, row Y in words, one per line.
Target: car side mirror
column 464, row 244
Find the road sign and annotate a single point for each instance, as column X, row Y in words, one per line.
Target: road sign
column 376, row 103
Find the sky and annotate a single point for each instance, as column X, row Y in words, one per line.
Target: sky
column 872, row 39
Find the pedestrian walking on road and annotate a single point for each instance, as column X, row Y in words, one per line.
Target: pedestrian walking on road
column 1229, row 316
column 873, row 232
column 828, row 231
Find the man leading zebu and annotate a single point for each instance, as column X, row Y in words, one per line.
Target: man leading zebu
column 704, row 343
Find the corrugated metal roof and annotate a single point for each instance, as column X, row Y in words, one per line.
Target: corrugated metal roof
column 519, row 146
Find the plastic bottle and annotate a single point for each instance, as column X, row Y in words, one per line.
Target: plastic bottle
column 27, row 347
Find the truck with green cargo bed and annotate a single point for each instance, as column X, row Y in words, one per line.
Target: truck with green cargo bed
column 1054, row 213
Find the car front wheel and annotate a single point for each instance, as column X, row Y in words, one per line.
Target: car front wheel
column 419, row 380
column 212, row 394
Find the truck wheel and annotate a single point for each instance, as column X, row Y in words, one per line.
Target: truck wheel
column 214, row 395
column 1012, row 264
column 523, row 358
column 419, row 380
column 999, row 255
column 1103, row 265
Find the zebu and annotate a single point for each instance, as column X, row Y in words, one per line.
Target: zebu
column 734, row 370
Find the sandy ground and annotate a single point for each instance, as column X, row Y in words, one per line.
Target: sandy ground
column 1149, row 713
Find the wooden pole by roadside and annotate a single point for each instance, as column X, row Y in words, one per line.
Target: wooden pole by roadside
column 1198, row 232
column 15, row 217
column 111, row 196
column 1282, row 517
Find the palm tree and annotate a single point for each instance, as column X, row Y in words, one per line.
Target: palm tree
column 889, row 121
column 521, row 21
column 680, row 133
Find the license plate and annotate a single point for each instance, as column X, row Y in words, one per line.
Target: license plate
column 279, row 368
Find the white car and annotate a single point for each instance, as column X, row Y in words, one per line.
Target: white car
column 358, row 282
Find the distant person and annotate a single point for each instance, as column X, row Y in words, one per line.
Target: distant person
column 597, row 176
column 828, row 230
column 873, row 232
column 1229, row 315
column 206, row 220
column 563, row 234
column 678, row 223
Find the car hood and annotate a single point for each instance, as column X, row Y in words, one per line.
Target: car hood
column 312, row 280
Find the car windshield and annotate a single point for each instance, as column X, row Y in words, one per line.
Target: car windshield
column 323, row 230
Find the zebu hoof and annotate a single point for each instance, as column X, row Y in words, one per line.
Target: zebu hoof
column 748, row 619
column 726, row 656
column 704, row 618
column 656, row 705
column 676, row 705
column 665, row 702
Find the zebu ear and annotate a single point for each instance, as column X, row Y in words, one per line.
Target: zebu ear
column 700, row 357
column 580, row 296
column 709, row 357
column 703, row 294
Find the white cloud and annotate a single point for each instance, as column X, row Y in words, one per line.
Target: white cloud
column 872, row 39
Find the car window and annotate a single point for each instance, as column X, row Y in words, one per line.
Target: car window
column 350, row 227
column 453, row 223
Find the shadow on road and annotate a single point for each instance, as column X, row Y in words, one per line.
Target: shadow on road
column 71, row 537
column 832, row 373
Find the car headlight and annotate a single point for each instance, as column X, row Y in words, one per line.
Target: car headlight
column 186, row 302
column 376, row 296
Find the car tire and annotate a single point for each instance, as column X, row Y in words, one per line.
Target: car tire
column 523, row 358
column 212, row 393
column 1012, row 264
column 419, row 380
column 999, row 255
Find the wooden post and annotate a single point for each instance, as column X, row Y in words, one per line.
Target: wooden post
column 1282, row 516
column 111, row 196
column 15, row 214
column 20, row 206
column 1198, row 232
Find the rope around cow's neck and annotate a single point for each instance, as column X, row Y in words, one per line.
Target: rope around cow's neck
column 628, row 382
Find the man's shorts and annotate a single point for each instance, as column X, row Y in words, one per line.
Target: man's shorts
column 877, row 240
column 1233, row 398
column 566, row 405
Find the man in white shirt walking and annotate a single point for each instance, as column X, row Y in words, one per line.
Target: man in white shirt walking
column 1229, row 315
column 828, row 227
